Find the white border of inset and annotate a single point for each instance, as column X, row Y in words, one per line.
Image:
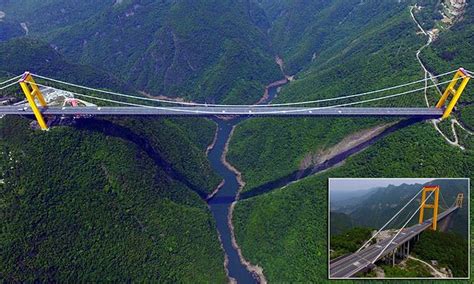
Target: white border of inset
column 399, row 278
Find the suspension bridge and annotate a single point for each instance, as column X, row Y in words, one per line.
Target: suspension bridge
column 399, row 101
column 398, row 246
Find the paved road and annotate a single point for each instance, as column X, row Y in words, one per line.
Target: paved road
column 230, row 111
column 352, row 264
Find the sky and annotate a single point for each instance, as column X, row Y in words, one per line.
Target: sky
column 353, row 184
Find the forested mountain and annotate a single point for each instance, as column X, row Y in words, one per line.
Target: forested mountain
column 25, row 54
column 376, row 209
column 100, row 201
column 381, row 54
column 207, row 51
column 122, row 199
column 106, row 199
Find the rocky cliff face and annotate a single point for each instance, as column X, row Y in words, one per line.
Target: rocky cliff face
column 453, row 10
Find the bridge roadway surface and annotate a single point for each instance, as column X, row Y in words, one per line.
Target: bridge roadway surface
column 228, row 111
column 360, row 261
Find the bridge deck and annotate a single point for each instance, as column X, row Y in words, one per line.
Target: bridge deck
column 229, row 111
column 354, row 263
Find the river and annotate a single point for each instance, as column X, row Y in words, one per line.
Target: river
column 220, row 203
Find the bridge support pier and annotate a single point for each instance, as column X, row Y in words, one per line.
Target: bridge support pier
column 401, row 252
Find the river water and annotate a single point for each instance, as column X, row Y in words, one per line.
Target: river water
column 220, row 203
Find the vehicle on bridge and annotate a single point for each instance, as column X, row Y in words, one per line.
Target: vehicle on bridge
column 399, row 234
column 335, row 106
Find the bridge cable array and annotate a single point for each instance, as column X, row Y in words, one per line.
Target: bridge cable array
column 217, row 113
column 13, row 81
column 403, row 227
column 389, row 221
column 444, row 201
column 237, row 105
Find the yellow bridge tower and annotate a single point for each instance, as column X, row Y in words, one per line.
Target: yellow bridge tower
column 459, row 200
column 434, row 205
column 451, row 91
column 33, row 93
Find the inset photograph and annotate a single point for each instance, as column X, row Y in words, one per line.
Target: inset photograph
column 402, row 228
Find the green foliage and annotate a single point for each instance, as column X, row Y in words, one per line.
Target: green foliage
column 287, row 218
column 9, row 30
column 322, row 32
column 196, row 50
column 44, row 15
column 80, row 204
column 180, row 142
column 410, row 269
column 450, row 250
column 277, row 147
column 381, row 54
column 349, row 241
column 377, row 54
column 467, row 116
column 339, row 222
column 453, row 49
column 285, row 232
column 23, row 54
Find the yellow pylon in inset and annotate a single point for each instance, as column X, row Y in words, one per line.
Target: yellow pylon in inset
column 32, row 92
column 462, row 76
column 459, row 200
column 434, row 205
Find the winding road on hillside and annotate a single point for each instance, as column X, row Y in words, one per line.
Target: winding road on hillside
column 435, row 122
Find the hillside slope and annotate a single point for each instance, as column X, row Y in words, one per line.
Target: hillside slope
column 381, row 55
column 90, row 205
column 104, row 199
column 285, row 231
column 294, row 218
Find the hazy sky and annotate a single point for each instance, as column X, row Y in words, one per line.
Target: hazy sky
column 358, row 184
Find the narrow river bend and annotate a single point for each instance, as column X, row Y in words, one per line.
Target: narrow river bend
column 220, row 203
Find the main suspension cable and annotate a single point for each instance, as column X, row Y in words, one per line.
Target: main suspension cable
column 399, row 231
column 389, row 221
column 11, row 79
column 177, row 109
column 227, row 105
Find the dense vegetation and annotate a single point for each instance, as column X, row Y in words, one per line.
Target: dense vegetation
column 448, row 249
column 382, row 54
column 23, row 54
column 211, row 50
column 84, row 204
column 410, row 269
column 339, row 223
column 348, row 241
column 300, row 209
column 324, row 32
column 44, row 15
column 383, row 203
column 215, row 51
column 453, row 49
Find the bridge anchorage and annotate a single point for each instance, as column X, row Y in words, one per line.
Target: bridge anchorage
column 333, row 106
column 398, row 246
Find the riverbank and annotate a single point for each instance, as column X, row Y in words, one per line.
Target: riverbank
column 266, row 94
column 351, row 141
column 256, row 270
column 223, row 199
column 267, row 97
